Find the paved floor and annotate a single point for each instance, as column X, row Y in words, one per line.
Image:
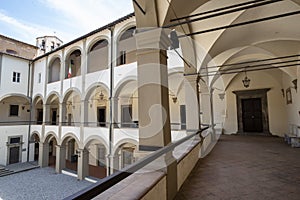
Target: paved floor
column 246, row 167
column 40, row 183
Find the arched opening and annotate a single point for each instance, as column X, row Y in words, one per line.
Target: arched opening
column 98, row 56
column 50, row 151
column 38, row 110
column 52, row 110
column 127, row 94
column 97, row 158
column 73, row 64
column 54, row 70
column 34, row 147
column 124, row 155
column 70, row 153
column 71, row 107
column 98, row 107
column 15, row 110
column 126, row 52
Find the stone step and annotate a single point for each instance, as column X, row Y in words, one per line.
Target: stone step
column 5, row 172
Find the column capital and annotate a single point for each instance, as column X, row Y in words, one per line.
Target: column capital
column 154, row 38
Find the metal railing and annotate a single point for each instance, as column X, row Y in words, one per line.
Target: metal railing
column 106, row 183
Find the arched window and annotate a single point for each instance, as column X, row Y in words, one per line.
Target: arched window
column 73, row 64
column 54, row 71
column 98, row 56
column 127, row 47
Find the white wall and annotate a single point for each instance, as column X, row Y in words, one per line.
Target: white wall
column 9, row 65
column 276, row 103
column 5, row 132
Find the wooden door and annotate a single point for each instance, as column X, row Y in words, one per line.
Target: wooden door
column 252, row 115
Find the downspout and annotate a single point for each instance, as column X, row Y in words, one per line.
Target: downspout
column 29, row 95
column 111, row 101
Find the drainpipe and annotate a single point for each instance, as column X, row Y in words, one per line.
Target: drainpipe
column 29, row 95
column 111, row 101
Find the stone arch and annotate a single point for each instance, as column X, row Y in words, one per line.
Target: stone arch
column 14, row 95
column 98, row 54
column 73, row 61
column 68, row 136
column 122, row 142
column 48, row 136
column 122, row 83
column 54, row 67
column 126, row 47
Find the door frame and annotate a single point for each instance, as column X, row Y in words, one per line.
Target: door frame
column 10, row 145
column 98, row 116
column 249, row 94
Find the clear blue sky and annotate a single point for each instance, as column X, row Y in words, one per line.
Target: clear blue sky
column 26, row 20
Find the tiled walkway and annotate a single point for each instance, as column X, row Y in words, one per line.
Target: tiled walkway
column 246, row 167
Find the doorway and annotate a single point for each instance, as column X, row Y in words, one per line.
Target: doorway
column 14, row 154
column 54, row 117
column 101, row 116
column 252, row 115
column 252, row 111
column 39, row 116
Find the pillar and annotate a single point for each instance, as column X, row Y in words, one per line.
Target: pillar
column 46, row 114
column 154, row 115
column 192, row 104
column 60, row 158
column 83, row 164
column 212, row 117
column 31, row 151
column 43, row 154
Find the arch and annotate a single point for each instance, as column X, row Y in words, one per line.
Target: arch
column 119, row 86
column 53, row 93
column 98, row 55
column 95, row 137
column 97, row 39
column 73, row 61
column 49, row 136
column 54, row 67
column 35, row 133
column 37, row 97
column 126, row 49
column 15, row 95
column 68, row 136
column 69, row 91
column 92, row 87
column 122, row 142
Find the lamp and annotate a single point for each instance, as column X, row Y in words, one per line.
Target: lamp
column 246, row 80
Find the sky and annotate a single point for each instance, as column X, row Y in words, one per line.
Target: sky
column 25, row 20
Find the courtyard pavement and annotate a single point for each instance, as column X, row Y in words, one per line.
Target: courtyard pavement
column 245, row 167
column 40, row 183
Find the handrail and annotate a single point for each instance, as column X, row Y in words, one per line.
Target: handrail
column 107, row 182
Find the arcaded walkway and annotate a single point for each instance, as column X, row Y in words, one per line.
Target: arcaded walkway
column 246, row 167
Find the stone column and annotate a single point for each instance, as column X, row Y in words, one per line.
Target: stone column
column 154, row 115
column 31, row 151
column 46, row 114
column 83, row 164
column 212, row 117
column 60, row 158
column 192, row 104
column 43, row 154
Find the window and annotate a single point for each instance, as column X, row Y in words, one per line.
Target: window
column 40, row 78
column 15, row 140
column 14, row 110
column 122, row 59
column 16, row 77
